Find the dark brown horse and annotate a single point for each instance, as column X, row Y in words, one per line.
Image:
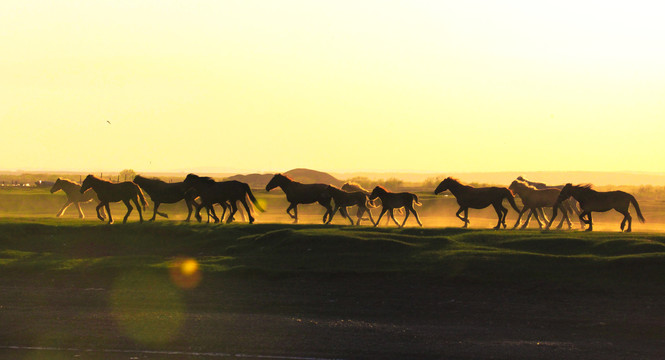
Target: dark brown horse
column 343, row 199
column 298, row 193
column 223, row 192
column 167, row 193
column 592, row 200
column 353, row 187
column 109, row 192
column 478, row 198
column 391, row 201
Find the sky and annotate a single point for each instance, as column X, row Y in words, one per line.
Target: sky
column 261, row 86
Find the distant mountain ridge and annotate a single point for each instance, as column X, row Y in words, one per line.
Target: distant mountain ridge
column 305, row 176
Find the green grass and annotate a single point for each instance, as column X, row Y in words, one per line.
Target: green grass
column 69, row 247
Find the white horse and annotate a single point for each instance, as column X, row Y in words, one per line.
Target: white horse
column 74, row 196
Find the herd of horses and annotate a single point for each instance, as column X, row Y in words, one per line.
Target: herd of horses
column 580, row 200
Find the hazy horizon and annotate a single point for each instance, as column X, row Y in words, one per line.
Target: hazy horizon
column 369, row 86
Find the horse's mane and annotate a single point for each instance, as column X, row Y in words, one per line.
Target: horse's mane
column 525, row 184
column 383, row 189
column 355, row 185
column 587, row 186
column 453, row 179
column 68, row 181
column 285, row 176
column 98, row 179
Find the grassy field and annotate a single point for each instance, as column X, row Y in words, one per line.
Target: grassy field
column 170, row 290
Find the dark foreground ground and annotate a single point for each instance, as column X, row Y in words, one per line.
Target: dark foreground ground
column 349, row 318
column 52, row 308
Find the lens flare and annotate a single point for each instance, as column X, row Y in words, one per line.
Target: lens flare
column 185, row 273
column 147, row 307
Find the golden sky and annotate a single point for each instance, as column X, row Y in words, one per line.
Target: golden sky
column 258, row 86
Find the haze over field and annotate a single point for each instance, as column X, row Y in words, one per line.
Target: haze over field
column 341, row 86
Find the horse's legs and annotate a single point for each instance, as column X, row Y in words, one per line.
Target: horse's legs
column 383, row 211
column 343, row 210
column 78, row 207
column 295, row 214
column 154, row 211
column 211, row 212
column 328, row 210
column 499, row 213
column 528, row 218
column 538, row 214
column 519, row 216
column 414, row 214
column 97, row 209
column 108, row 211
column 288, row 211
column 565, row 218
column 249, row 214
column 589, row 221
column 405, row 217
column 541, row 212
column 64, row 207
column 234, row 209
column 392, row 216
column 129, row 210
column 138, row 208
column 462, row 218
column 626, row 217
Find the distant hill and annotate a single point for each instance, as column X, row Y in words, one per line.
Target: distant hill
column 306, row 176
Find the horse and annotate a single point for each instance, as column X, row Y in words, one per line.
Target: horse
column 570, row 204
column 168, row 193
column 592, row 200
column 533, row 199
column 353, row 187
column 213, row 192
column 74, row 196
column 478, row 198
column 298, row 193
column 344, row 198
column 108, row 192
column 391, row 201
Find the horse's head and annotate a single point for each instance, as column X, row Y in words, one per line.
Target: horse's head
column 138, row 179
column 517, row 185
column 56, row 186
column 520, row 178
column 191, row 179
column 277, row 180
column 445, row 185
column 378, row 191
column 87, row 183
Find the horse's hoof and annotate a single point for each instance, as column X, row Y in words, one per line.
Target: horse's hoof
column 589, row 229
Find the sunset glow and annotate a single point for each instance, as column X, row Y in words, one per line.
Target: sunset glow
column 255, row 86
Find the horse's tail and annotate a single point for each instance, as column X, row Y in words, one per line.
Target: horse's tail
column 141, row 197
column 252, row 198
column 511, row 200
column 637, row 208
column 415, row 200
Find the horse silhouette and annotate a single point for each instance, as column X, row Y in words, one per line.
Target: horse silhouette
column 344, row 199
column 223, row 192
column 591, row 200
column 534, row 199
column 391, row 201
column 108, row 192
column 162, row 192
column 298, row 193
column 478, row 198
column 74, row 196
column 570, row 204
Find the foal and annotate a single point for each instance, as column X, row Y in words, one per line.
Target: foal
column 391, row 201
column 343, row 199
